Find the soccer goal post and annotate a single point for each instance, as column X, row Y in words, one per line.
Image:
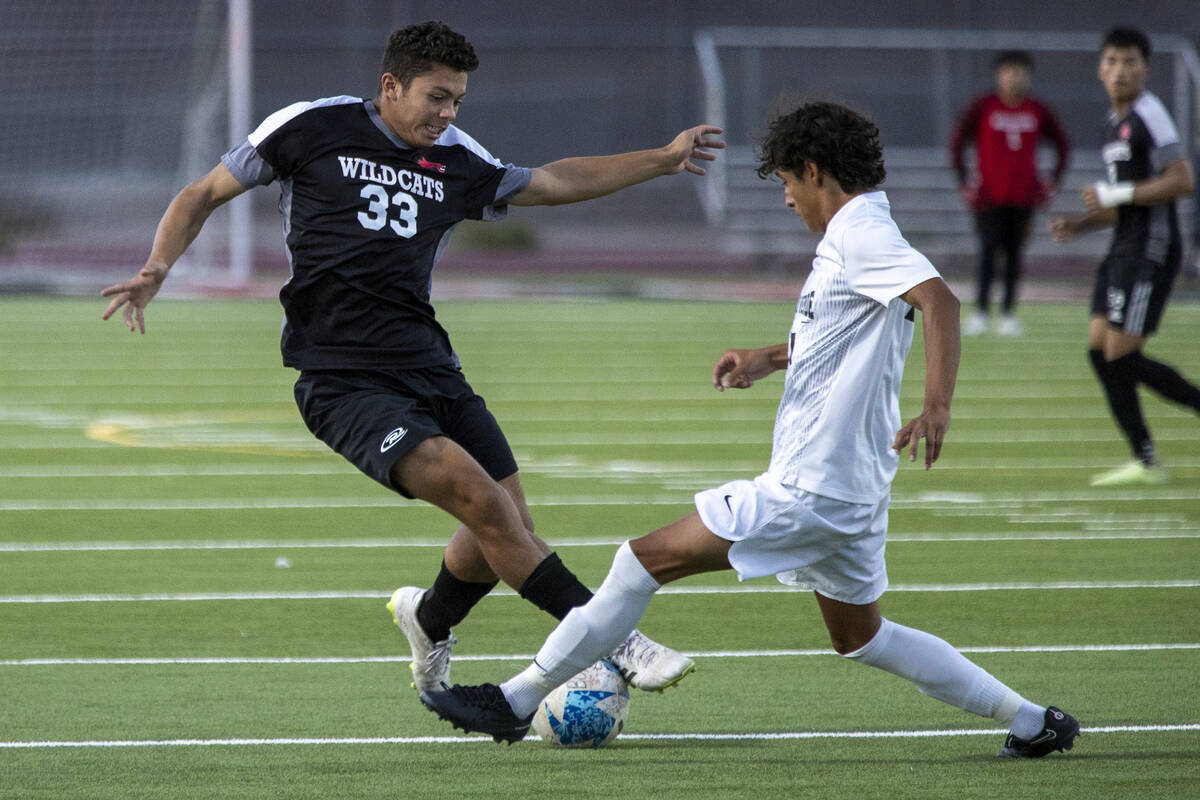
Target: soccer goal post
column 241, row 103
column 107, row 111
column 913, row 82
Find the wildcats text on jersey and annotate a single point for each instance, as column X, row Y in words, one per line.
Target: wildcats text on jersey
column 362, row 169
column 1012, row 124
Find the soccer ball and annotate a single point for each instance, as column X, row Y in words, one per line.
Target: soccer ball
column 587, row 711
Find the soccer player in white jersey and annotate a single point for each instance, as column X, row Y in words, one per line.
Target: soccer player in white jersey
column 370, row 191
column 1148, row 170
column 818, row 515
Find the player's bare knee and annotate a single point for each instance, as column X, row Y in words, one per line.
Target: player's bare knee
column 512, row 485
column 488, row 511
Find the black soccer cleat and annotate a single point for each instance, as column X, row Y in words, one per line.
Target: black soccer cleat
column 482, row 709
column 1058, row 734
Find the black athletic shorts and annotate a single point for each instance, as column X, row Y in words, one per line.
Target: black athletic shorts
column 373, row 417
column 1131, row 290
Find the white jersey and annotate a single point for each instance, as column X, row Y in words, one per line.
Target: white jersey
column 840, row 409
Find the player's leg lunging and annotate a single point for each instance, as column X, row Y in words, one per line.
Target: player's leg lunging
column 496, row 536
column 941, row 672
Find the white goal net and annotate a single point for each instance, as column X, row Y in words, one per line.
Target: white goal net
column 107, row 110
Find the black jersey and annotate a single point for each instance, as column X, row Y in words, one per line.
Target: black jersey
column 365, row 218
column 1137, row 147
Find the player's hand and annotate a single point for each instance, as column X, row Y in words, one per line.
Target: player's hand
column 1090, row 199
column 930, row 426
column 1063, row 229
column 134, row 294
column 969, row 193
column 739, row 369
column 693, row 144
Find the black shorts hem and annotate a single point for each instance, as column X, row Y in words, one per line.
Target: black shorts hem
column 373, row 418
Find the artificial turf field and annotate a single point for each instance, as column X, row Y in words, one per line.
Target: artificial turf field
column 192, row 588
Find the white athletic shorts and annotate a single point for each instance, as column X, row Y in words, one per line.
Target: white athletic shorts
column 804, row 539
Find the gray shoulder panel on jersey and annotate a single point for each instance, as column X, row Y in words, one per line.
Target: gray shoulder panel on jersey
column 283, row 115
column 1162, row 129
column 452, row 136
column 245, row 164
column 515, row 178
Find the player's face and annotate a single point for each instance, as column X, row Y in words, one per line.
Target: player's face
column 1123, row 72
column 802, row 196
column 1012, row 80
column 420, row 113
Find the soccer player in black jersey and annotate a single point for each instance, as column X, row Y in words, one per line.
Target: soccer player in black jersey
column 370, row 190
column 1147, row 170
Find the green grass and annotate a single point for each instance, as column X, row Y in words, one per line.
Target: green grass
column 125, row 460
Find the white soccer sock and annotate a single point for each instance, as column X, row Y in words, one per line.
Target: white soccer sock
column 1029, row 720
column 945, row 674
column 587, row 634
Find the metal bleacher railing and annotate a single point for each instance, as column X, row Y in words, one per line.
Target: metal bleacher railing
column 920, row 185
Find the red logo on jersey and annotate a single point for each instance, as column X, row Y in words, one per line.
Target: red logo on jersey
column 424, row 163
column 1124, row 131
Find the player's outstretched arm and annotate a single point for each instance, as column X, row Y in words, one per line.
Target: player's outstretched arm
column 939, row 323
column 180, row 224
column 574, row 179
column 1066, row 227
column 1176, row 180
column 739, row 369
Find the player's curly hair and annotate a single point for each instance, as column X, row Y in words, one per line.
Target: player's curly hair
column 840, row 142
column 416, row 49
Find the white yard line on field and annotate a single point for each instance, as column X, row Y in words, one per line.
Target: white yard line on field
column 230, row 437
column 209, row 470
column 980, row 502
column 575, row 469
column 1169, row 531
column 383, row 594
column 334, row 660
column 1163, row 531
column 416, row 740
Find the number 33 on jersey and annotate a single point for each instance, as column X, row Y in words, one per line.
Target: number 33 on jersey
column 365, row 218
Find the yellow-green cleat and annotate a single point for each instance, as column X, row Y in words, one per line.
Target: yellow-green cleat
column 1135, row 473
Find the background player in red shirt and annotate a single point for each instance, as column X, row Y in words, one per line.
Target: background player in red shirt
column 1005, row 127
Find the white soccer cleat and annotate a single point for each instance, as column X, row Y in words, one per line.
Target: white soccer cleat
column 1009, row 326
column 975, row 324
column 648, row 665
column 430, row 660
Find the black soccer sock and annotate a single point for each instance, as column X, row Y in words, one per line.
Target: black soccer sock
column 553, row 588
column 1165, row 380
column 1120, row 387
column 448, row 602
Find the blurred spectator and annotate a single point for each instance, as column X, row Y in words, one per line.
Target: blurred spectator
column 1005, row 126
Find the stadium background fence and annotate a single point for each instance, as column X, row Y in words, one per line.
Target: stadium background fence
column 110, row 107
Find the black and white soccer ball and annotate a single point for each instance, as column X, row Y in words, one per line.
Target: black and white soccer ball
column 587, row 711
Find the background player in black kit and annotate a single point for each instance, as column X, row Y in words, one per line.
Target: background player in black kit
column 370, row 192
column 1147, row 171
